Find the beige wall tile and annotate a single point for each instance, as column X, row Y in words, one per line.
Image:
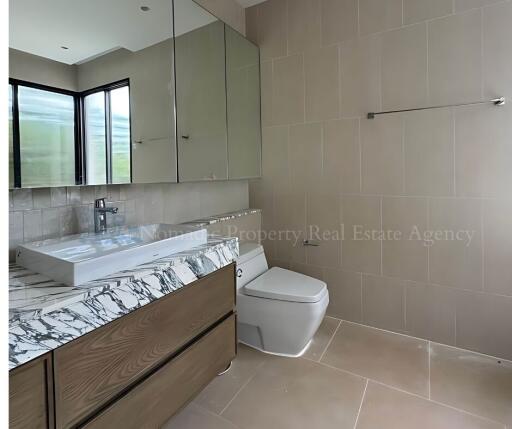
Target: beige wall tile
column 251, row 24
column 266, row 70
column 384, row 302
column 402, row 409
column 379, row 15
column 429, row 147
column 359, row 252
column 421, row 10
column 456, row 260
column 322, row 83
column 323, row 228
column 382, row 155
column 307, row 270
column 275, row 153
column 393, row 359
column 404, row 67
column 339, row 20
column 483, row 323
column 405, row 256
column 462, row 5
column 498, row 246
column 305, row 154
column 304, row 29
column 272, row 29
column 342, row 155
column 345, row 294
column 290, row 222
column 430, row 312
column 361, row 75
column 472, row 382
column 41, row 197
column 22, row 199
column 455, row 63
column 483, row 150
column 288, row 90
column 497, row 50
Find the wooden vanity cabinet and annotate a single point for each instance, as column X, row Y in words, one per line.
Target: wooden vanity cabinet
column 31, row 395
column 136, row 371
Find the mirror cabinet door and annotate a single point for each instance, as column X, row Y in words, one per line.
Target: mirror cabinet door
column 243, row 106
column 91, row 101
column 200, row 93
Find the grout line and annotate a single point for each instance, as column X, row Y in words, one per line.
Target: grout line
column 361, row 404
column 330, row 340
column 241, row 388
column 429, row 377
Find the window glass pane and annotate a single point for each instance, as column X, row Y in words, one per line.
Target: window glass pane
column 120, row 106
column 11, row 163
column 47, row 141
column 96, row 158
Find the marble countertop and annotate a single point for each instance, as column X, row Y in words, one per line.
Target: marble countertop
column 44, row 314
column 222, row 217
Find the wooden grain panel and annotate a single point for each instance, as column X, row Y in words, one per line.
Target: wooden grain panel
column 31, row 395
column 94, row 368
column 156, row 399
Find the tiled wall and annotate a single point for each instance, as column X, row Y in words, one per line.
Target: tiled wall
column 325, row 64
column 44, row 213
column 37, row 214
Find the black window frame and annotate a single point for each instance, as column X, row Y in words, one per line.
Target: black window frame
column 79, row 129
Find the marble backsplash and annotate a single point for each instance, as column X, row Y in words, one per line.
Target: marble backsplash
column 36, row 214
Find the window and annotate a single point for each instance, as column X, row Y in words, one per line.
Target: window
column 107, row 134
column 95, row 138
column 60, row 138
column 46, row 137
column 11, row 147
column 120, row 113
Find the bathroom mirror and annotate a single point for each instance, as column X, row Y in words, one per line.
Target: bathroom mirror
column 92, row 101
column 200, row 93
column 243, row 106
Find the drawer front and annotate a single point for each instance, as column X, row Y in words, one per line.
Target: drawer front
column 156, row 399
column 92, row 369
column 30, row 395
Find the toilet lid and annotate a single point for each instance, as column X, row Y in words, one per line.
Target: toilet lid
column 285, row 285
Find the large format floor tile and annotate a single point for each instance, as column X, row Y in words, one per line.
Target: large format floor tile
column 479, row 384
column 393, row 359
column 221, row 390
column 321, row 339
column 195, row 417
column 297, row 393
column 387, row 408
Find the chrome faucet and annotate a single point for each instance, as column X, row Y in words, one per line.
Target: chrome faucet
column 100, row 215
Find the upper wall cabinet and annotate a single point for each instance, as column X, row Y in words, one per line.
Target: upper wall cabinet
column 217, row 98
column 91, row 92
column 119, row 92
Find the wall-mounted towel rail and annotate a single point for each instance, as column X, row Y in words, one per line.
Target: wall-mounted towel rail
column 500, row 101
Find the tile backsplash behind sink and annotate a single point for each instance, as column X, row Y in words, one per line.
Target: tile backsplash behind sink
column 41, row 213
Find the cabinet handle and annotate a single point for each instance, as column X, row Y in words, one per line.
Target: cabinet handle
column 185, row 137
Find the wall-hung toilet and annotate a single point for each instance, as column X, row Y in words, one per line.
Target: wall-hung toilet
column 279, row 310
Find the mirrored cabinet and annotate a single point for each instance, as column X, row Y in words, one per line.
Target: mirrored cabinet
column 134, row 94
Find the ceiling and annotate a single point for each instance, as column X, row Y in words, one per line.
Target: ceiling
column 93, row 27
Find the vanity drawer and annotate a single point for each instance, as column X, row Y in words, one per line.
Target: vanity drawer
column 31, row 395
column 92, row 369
column 156, row 399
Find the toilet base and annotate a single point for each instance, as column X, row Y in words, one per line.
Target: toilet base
column 304, row 350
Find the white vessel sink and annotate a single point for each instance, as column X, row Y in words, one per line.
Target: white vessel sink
column 76, row 259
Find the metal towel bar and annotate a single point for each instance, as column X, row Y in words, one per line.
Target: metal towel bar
column 500, row 101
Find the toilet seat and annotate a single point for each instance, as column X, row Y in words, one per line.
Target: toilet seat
column 285, row 285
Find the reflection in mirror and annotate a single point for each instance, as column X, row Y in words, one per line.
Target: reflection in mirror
column 243, row 106
column 200, row 93
column 101, row 90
